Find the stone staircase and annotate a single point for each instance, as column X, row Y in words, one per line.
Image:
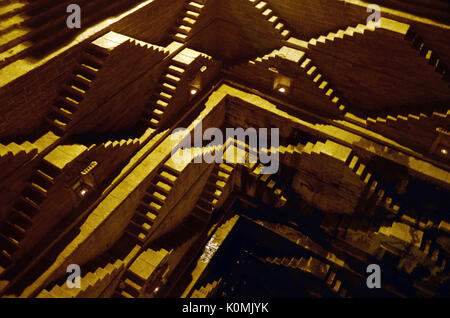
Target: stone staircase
column 356, row 183
column 12, row 149
column 431, row 57
column 265, row 187
column 398, row 243
column 11, row 7
column 376, row 212
column 191, row 12
column 92, row 284
column 210, row 198
column 427, row 126
column 207, row 290
column 364, row 40
column 27, row 26
column 13, row 32
column 399, row 120
column 14, row 228
column 303, row 63
column 268, row 14
column 319, row 80
column 154, row 199
column 314, row 267
column 290, row 154
column 13, row 155
column 373, row 194
column 119, row 150
column 359, row 30
column 168, row 97
column 65, row 108
column 399, row 127
column 139, row 273
column 10, row 15
column 119, row 143
column 264, row 58
column 166, row 90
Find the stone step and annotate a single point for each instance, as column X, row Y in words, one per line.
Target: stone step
column 194, row 6
column 176, row 70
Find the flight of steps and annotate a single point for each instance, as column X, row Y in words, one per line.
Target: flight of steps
column 206, row 291
column 265, row 187
column 66, row 106
column 240, row 67
column 347, row 227
column 31, row 25
column 22, row 22
column 151, row 204
column 319, row 80
column 374, row 194
column 117, row 150
column 165, row 92
column 431, row 57
column 359, row 30
column 425, row 127
column 290, row 154
column 376, row 209
column 186, row 22
column 14, row 150
column 305, row 64
column 13, row 155
column 360, row 232
column 14, row 228
column 211, row 195
column 400, row 34
column 406, row 121
column 92, row 284
column 110, row 145
column 399, row 118
column 368, row 195
column 12, row 30
column 312, row 266
column 11, row 7
column 139, row 272
column 268, row 14
column 10, row 15
column 264, row 58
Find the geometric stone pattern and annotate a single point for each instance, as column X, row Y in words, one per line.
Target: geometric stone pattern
column 87, row 133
